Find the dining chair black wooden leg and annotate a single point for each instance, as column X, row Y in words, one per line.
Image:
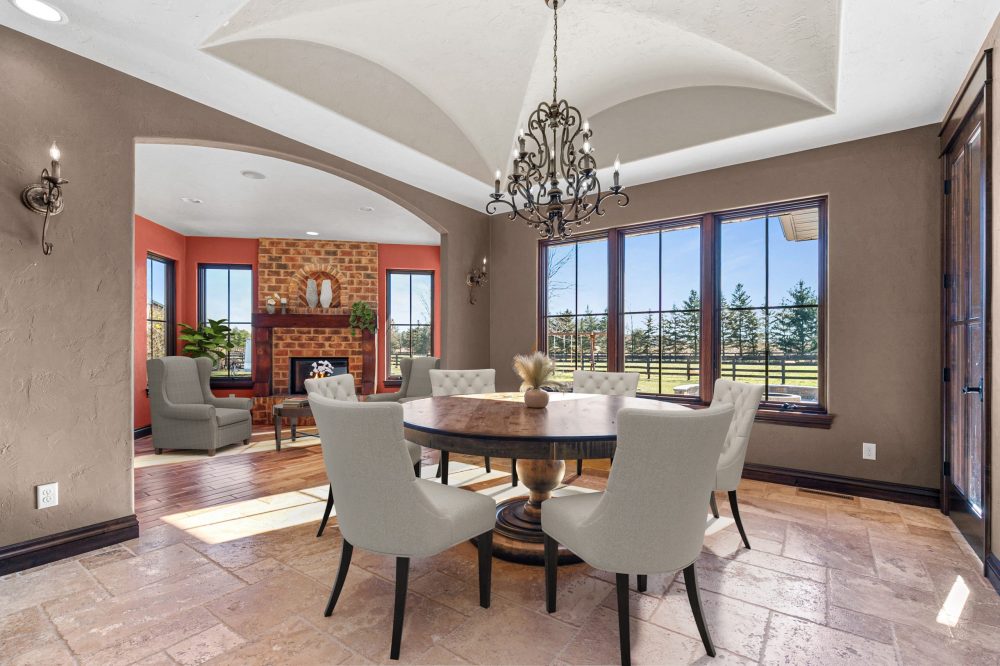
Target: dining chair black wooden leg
column 551, row 569
column 326, row 513
column 345, row 562
column 402, row 577
column 691, row 583
column 621, row 583
column 642, row 581
column 711, row 503
column 736, row 516
column 416, row 469
column 484, row 543
column 579, row 466
column 488, row 468
column 513, row 472
column 443, row 468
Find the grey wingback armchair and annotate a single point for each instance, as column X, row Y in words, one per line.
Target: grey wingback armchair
column 416, row 382
column 185, row 414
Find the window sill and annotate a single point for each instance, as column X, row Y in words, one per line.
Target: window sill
column 795, row 418
column 395, row 383
column 221, row 383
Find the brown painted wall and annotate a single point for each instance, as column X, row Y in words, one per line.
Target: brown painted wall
column 883, row 295
column 66, row 320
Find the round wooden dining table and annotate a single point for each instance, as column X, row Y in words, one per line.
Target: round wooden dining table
column 571, row 427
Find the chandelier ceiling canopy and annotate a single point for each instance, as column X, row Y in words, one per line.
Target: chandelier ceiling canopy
column 553, row 184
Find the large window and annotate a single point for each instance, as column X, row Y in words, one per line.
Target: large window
column 733, row 294
column 769, row 301
column 411, row 317
column 576, row 306
column 161, row 333
column 226, row 292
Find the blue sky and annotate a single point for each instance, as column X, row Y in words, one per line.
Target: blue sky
column 399, row 298
column 743, row 261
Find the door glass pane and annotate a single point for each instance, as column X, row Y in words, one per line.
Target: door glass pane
column 972, row 441
column 422, row 298
column 641, row 345
column 216, row 293
column 680, row 272
column 560, row 281
column 592, row 277
column 976, row 226
column 561, row 345
column 639, row 292
column 742, row 341
column 679, row 353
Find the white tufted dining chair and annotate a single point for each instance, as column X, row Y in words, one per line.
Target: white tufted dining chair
column 382, row 508
column 745, row 398
column 604, row 383
column 341, row 387
column 465, row 382
column 651, row 518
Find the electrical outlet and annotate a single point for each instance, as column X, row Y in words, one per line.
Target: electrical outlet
column 47, row 495
column 868, row 450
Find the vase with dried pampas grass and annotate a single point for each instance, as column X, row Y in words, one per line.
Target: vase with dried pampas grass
column 535, row 370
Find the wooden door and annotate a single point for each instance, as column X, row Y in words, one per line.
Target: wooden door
column 965, row 468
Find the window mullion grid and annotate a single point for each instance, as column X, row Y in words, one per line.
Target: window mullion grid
column 767, row 306
column 659, row 314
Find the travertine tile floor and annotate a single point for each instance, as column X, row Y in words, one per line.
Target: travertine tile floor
column 829, row 581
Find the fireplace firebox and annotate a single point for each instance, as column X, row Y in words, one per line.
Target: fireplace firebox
column 300, row 367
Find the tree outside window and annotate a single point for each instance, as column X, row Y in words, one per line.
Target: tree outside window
column 410, row 331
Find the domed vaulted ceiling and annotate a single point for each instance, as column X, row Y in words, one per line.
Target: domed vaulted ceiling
column 455, row 80
column 432, row 92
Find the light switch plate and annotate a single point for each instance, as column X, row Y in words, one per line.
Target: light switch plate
column 868, row 450
column 47, row 495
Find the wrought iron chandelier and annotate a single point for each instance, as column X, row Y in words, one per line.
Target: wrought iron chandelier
column 553, row 185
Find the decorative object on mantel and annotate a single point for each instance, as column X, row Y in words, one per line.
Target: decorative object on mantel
column 211, row 340
column 321, row 369
column 362, row 317
column 46, row 198
column 535, row 371
column 271, row 302
column 552, row 162
column 476, row 278
column 312, row 295
column 284, row 305
column 326, row 294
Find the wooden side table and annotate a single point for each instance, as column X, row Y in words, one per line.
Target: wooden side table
column 293, row 414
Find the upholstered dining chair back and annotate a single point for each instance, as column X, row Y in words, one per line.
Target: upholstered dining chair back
column 337, row 387
column 652, row 516
column 745, row 398
column 606, row 383
column 379, row 505
column 416, row 376
column 463, row 382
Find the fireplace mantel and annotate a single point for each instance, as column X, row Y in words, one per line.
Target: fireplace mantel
column 263, row 325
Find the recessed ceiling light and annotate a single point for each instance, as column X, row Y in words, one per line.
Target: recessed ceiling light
column 366, row 209
column 253, row 175
column 191, row 200
column 40, row 10
column 312, row 233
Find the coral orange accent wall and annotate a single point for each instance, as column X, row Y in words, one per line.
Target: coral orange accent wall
column 187, row 252
column 405, row 257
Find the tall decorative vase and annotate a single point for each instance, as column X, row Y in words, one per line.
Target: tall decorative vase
column 312, row 296
column 326, row 294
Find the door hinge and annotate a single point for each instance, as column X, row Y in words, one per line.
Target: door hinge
column 946, row 375
column 946, row 468
column 947, row 187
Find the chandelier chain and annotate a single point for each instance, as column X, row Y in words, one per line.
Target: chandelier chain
column 555, row 53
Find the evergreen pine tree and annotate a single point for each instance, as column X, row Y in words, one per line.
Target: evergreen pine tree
column 740, row 326
column 795, row 328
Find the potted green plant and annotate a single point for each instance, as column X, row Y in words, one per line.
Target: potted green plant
column 212, row 340
column 362, row 317
column 535, row 370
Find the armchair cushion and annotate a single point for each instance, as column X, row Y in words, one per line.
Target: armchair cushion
column 226, row 416
column 233, row 403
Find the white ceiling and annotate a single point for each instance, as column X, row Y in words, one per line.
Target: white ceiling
column 291, row 200
column 432, row 92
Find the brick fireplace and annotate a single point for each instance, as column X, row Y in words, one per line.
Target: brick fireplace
column 284, row 267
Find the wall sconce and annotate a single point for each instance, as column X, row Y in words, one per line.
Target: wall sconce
column 476, row 278
column 45, row 198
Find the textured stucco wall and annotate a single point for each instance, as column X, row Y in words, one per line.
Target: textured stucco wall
column 66, row 320
column 883, row 297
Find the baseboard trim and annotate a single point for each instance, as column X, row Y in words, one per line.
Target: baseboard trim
column 28, row 554
column 145, row 431
column 993, row 571
column 883, row 490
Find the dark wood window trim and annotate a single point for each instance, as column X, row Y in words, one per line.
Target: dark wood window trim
column 224, row 382
column 812, row 416
column 396, row 380
column 170, row 306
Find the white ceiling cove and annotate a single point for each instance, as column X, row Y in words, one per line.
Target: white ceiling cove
column 290, row 200
column 432, row 92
